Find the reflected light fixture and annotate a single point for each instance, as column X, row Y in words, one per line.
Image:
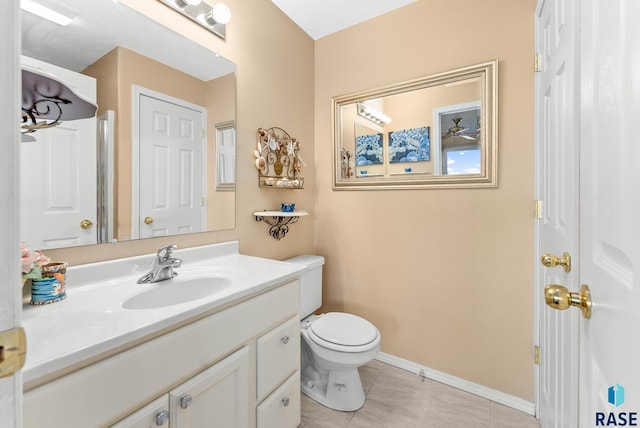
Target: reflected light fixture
column 214, row 18
column 44, row 12
column 373, row 114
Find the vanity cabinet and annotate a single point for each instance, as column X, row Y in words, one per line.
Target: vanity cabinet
column 237, row 367
column 217, row 396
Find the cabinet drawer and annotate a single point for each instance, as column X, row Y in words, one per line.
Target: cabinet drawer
column 282, row 408
column 278, row 355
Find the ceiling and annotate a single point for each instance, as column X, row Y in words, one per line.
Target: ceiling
column 98, row 26
column 319, row 18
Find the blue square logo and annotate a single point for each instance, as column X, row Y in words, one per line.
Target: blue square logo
column 616, row 395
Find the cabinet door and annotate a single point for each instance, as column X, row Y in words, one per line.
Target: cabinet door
column 152, row 415
column 219, row 396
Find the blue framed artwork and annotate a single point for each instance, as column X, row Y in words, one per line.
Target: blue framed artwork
column 409, row 145
column 369, row 149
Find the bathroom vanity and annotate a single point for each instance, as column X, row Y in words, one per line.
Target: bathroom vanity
column 117, row 353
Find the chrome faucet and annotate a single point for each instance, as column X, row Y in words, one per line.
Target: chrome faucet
column 163, row 265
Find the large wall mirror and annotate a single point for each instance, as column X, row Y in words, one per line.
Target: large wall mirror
column 439, row 131
column 147, row 165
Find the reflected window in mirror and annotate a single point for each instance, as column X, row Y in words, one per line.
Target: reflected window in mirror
column 226, row 156
column 436, row 131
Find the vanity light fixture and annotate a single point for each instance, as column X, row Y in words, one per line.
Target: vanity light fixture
column 214, row 18
column 185, row 3
column 44, row 12
column 373, row 115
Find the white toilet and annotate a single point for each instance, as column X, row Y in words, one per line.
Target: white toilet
column 333, row 345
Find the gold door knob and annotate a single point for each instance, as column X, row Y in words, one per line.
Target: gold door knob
column 148, row 220
column 549, row 260
column 559, row 297
column 86, row 224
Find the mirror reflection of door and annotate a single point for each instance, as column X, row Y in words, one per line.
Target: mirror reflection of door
column 58, row 170
column 457, row 145
column 171, row 173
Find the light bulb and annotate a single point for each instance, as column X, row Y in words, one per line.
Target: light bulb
column 221, row 13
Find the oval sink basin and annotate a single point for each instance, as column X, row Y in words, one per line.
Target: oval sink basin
column 177, row 290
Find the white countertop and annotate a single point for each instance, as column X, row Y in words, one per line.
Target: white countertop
column 91, row 320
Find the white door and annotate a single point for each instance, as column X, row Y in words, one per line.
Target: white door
column 10, row 302
column 58, row 180
column 609, row 245
column 557, row 190
column 171, row 172
column 609, row 216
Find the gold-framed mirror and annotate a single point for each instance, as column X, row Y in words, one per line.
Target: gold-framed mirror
column 437, row 131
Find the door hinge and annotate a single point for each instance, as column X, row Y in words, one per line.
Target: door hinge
column 537, row 209
column 536, row 63
column 536, row 355
column 203, row 201
column 202, row 133
column 13, row 351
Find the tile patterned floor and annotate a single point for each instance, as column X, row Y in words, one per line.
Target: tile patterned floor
column 397, row 398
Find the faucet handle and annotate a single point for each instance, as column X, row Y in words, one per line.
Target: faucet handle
column 166, row 250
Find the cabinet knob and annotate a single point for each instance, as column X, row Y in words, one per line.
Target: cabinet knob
column 285, row 339
column 185, row 401
column 162, row 418
column 285, row 401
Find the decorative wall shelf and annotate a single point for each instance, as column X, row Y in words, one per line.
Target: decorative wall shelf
column 279, row 221
column 278, row 159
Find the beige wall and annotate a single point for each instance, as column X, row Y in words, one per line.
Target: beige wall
column 274, row 88
column 221, row 107
column 446, row 275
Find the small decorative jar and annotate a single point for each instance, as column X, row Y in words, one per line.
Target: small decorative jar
column 287, row 207
column 50, row 287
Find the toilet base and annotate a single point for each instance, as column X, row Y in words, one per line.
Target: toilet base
column 337, row 389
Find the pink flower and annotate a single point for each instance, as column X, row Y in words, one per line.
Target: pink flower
column 32, row 259
column 28, row 258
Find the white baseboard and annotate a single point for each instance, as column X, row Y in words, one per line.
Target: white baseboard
column 456, row 382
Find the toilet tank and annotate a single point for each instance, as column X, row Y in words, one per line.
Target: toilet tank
column 310, row 283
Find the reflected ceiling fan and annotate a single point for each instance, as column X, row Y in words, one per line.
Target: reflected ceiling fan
column 458, row 130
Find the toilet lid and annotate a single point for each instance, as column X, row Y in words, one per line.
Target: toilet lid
column 344, row 329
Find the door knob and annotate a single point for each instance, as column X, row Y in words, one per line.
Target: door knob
column 549, row 260
column 559, row 297
column 148, row 220
column 86, row 224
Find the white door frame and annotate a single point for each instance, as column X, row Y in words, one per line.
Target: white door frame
column 11, row 301
column 136, row 93
column 557, row 228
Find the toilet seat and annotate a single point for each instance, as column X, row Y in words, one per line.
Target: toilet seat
column 343, row 332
